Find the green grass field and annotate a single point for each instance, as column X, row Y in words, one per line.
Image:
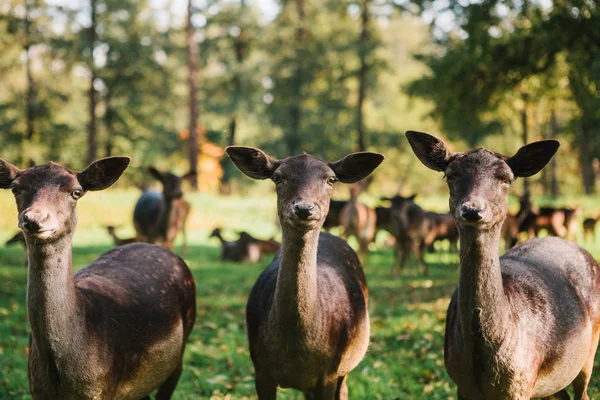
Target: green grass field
column 405, row 359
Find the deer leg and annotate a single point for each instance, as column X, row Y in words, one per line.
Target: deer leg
column 363, row 251
column 406, row 249
column 580, row 383
column 165, row 391
column 418, row 249
column 266, row 389
column 396, row 263
column 326, row 391
column 341, row 392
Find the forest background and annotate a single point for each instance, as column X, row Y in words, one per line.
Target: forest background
column 81, row 80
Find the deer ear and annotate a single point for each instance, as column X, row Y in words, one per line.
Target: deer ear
column 253, row 162
column 8, row 173
column 155, row 174
column 356, row 166
column 530, row 159
column 411, row 198
column 430, row 150
column 102, row 173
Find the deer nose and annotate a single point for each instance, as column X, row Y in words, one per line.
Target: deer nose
column 471, row 212
column 32, row 220
column 303, row 211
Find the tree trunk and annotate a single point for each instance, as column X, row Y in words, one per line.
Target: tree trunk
column 553, row 163
column 108, row 122
column 29, row 109
column 294, row 141
column 586, row 159
column 362, row 74
column 192, row 63
column 525, row 131
column 30, row 98
column 92, row 150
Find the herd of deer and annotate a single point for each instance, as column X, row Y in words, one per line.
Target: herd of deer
column 521, row 326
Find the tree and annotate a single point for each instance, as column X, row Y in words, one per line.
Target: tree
column 192, row 62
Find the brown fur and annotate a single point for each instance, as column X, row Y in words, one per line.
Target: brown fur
column 245, row 249
column 524, row 325
column 409, row 226
column 358, row 220
column 117, row 328
column 561, row 222
column 307, row 317
column 589, row 228
column 159, row 216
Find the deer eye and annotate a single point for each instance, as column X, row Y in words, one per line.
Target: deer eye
column 14, row 189
column 77, row 193
column 331, row 180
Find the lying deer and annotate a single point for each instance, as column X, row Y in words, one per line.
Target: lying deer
column 266, row 246
column 116, row 329
column 561, row 222
column 307, row 316
column 159, row 216
column 117, row 240
column 358, row 220
column 524, row 325
column 245, row 249
column 589, row 228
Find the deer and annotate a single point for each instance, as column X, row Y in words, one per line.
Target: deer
column 266, row 246
column 359, row 220
column 245, row 249
column 560, row 222
column 159, row 216
column 408, row 225
column 440, row 227
column 117, row 240
column 307, row 318
column 524, row 325
column 333, row 217
column 117, row 328
column 589, row 228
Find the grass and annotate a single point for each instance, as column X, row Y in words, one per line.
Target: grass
column 405, row 359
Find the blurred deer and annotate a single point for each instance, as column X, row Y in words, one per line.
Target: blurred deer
column 159, row 216
column 358, row 220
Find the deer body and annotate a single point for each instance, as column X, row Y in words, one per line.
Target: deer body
column 409, row 225
column 359, row 220
column 117, row 328
column 307, row 317
column 589, row 228
column 542, row 330
column 245, row 249
column 159, row 216
column 524, row 325
column 305, row 293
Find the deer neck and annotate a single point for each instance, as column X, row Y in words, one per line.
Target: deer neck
column 296, row 301
column 53, row 311
column 482, row 303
